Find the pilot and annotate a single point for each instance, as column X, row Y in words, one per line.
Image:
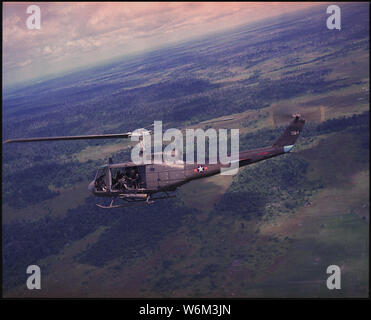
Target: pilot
column 100, row 184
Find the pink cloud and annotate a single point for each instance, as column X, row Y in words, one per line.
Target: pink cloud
column 74, row 28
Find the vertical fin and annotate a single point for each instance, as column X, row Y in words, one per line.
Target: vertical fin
column 290, row 135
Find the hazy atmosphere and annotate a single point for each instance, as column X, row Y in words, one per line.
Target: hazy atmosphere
column 76, row 34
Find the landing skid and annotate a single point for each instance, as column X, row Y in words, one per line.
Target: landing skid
column 111, row 206
column 132, row 202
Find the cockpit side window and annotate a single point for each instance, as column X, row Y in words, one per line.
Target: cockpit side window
column 100, row 173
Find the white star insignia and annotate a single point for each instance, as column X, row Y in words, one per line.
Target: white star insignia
column 200, row 168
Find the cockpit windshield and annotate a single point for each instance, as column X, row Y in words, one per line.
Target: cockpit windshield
column 100, row 180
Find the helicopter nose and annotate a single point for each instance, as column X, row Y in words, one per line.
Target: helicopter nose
column 91, row 186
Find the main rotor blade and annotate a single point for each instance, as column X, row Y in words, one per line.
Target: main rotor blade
column 216, row 121
column 83, row 137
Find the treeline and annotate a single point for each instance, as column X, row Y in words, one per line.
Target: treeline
column 31, row 185
column 133, row 231
column 282, row 180
column 338, row 124
column 25, row 243
column 137, row 231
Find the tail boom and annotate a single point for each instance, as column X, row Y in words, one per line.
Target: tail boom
column 282, row 145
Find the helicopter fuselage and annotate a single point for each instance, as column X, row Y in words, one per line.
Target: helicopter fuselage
column 164, row 177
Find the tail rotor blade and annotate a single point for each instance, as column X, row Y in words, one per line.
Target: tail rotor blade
column 282, row 114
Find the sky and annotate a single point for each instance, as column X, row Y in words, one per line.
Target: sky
column 77, row 34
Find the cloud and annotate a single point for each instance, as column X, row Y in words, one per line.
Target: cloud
column 47, row 50
column 74, row 29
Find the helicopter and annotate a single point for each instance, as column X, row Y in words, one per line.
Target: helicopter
column 146, row 183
